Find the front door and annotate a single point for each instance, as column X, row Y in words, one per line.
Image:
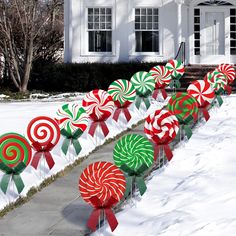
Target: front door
column 214, row 33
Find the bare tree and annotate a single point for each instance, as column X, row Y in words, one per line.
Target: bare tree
column 29, row 29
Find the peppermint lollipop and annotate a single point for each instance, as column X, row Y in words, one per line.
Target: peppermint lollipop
column 162, row 78
column 176, row 68
column 161, row 127
column 134, row 155
column 44, row 133
column 185, row 108
column 144, row 84
column 102, row 185
column 99, row 106
column 73, row 121
column 15, row 155
column 123, row 94
column 202, row 91
column 228, row 71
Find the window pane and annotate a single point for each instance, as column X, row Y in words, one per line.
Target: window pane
column 90, row 25
column 102, row 26
column 155, row 18
column 197, row 43
column 143, row 11
column 137, row 18
column 197, row 35
column 102, row 18
column 233, row 51
column 155, row 26
column 96, row 18
column 233, row 43
column 233, row 35
column 102, row 10
column 149, row 18
column 196, row 27
column 100, row 41
column 143, row 18
column 90, row 11
column 137, row 11
column 108, row 11
column 96, row 10
column 149, row 26
column 143, row 25
column 137, row 25
column 232, row 27
column 197, row 12
column 232, row 12
column 90, row 18
column 197, row 20
column 147, row 41
column 155, row 11
column 108, row 18
column 197, row 51
column 108, row 25
column 149, row 11
column 232, row 19
column 96, row 26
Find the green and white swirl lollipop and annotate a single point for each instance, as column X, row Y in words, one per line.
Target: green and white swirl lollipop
column 144, row 84
column 134, row 154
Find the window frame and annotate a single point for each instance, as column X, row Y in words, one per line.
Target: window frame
column 133, row 51
column 86, row 31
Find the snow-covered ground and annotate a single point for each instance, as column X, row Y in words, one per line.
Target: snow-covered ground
column 195, row 194
column 15, row 116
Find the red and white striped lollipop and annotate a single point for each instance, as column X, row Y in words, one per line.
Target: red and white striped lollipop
column 228, row 70
column 161, row 75
column 202, row 91
column 98, row 104
column 43, row 130
column 162, row 127
column 103, row 180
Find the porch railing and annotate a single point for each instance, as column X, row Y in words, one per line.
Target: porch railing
column 181, row 54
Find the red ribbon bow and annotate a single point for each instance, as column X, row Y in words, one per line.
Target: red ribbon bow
column 166, row 148
column 204, row 111
column 163, row 92
column 42, row 151
column 228, row 89
column 94, row 217
column 118, row 112
column 103, row 126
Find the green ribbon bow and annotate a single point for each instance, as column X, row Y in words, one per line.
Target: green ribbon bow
column 218, row 97
column 71, row 139
column 137, row 176
column 15, row 174
column 175, row 83
column 143, row 97
column 186, row 127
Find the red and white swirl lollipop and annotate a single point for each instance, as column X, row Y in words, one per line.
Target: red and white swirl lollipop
column 162, row 78
column 44, row 133
column 102, row 185
column 228, row 70
column 202, row 91
column 99, row 105
column 162, row 127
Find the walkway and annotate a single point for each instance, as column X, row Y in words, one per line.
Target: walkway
column 58, row 209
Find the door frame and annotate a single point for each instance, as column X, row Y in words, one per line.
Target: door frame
column 200, row 59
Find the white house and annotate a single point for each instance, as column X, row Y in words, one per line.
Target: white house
column 150, row 30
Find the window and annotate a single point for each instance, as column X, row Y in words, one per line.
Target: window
column 100, row 29
column 146, row 30
column 197, row 50
column 233, row 31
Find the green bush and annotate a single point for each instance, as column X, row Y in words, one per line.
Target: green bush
column 82, row 77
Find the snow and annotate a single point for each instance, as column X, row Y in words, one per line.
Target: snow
column 15, row 116
column 195, row 193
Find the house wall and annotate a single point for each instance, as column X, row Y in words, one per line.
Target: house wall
column 76, row 37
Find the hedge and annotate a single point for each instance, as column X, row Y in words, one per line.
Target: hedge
column 82, row 77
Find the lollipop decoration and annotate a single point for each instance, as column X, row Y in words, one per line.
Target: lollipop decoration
column 15, row 156
column 162, row 78
column 144, row 84
column 134, row 155
column 102, row 185
column 161, row 127
column 44, row 133
column 99, row 106
column 73, row 122
column 176, row 69
column 185, row 108
column 123, row 94
column 218, row 82
column 202, row 91
column 229, row 72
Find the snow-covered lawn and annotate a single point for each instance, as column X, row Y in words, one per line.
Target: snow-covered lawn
column 15, row 116
column 195, row 194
